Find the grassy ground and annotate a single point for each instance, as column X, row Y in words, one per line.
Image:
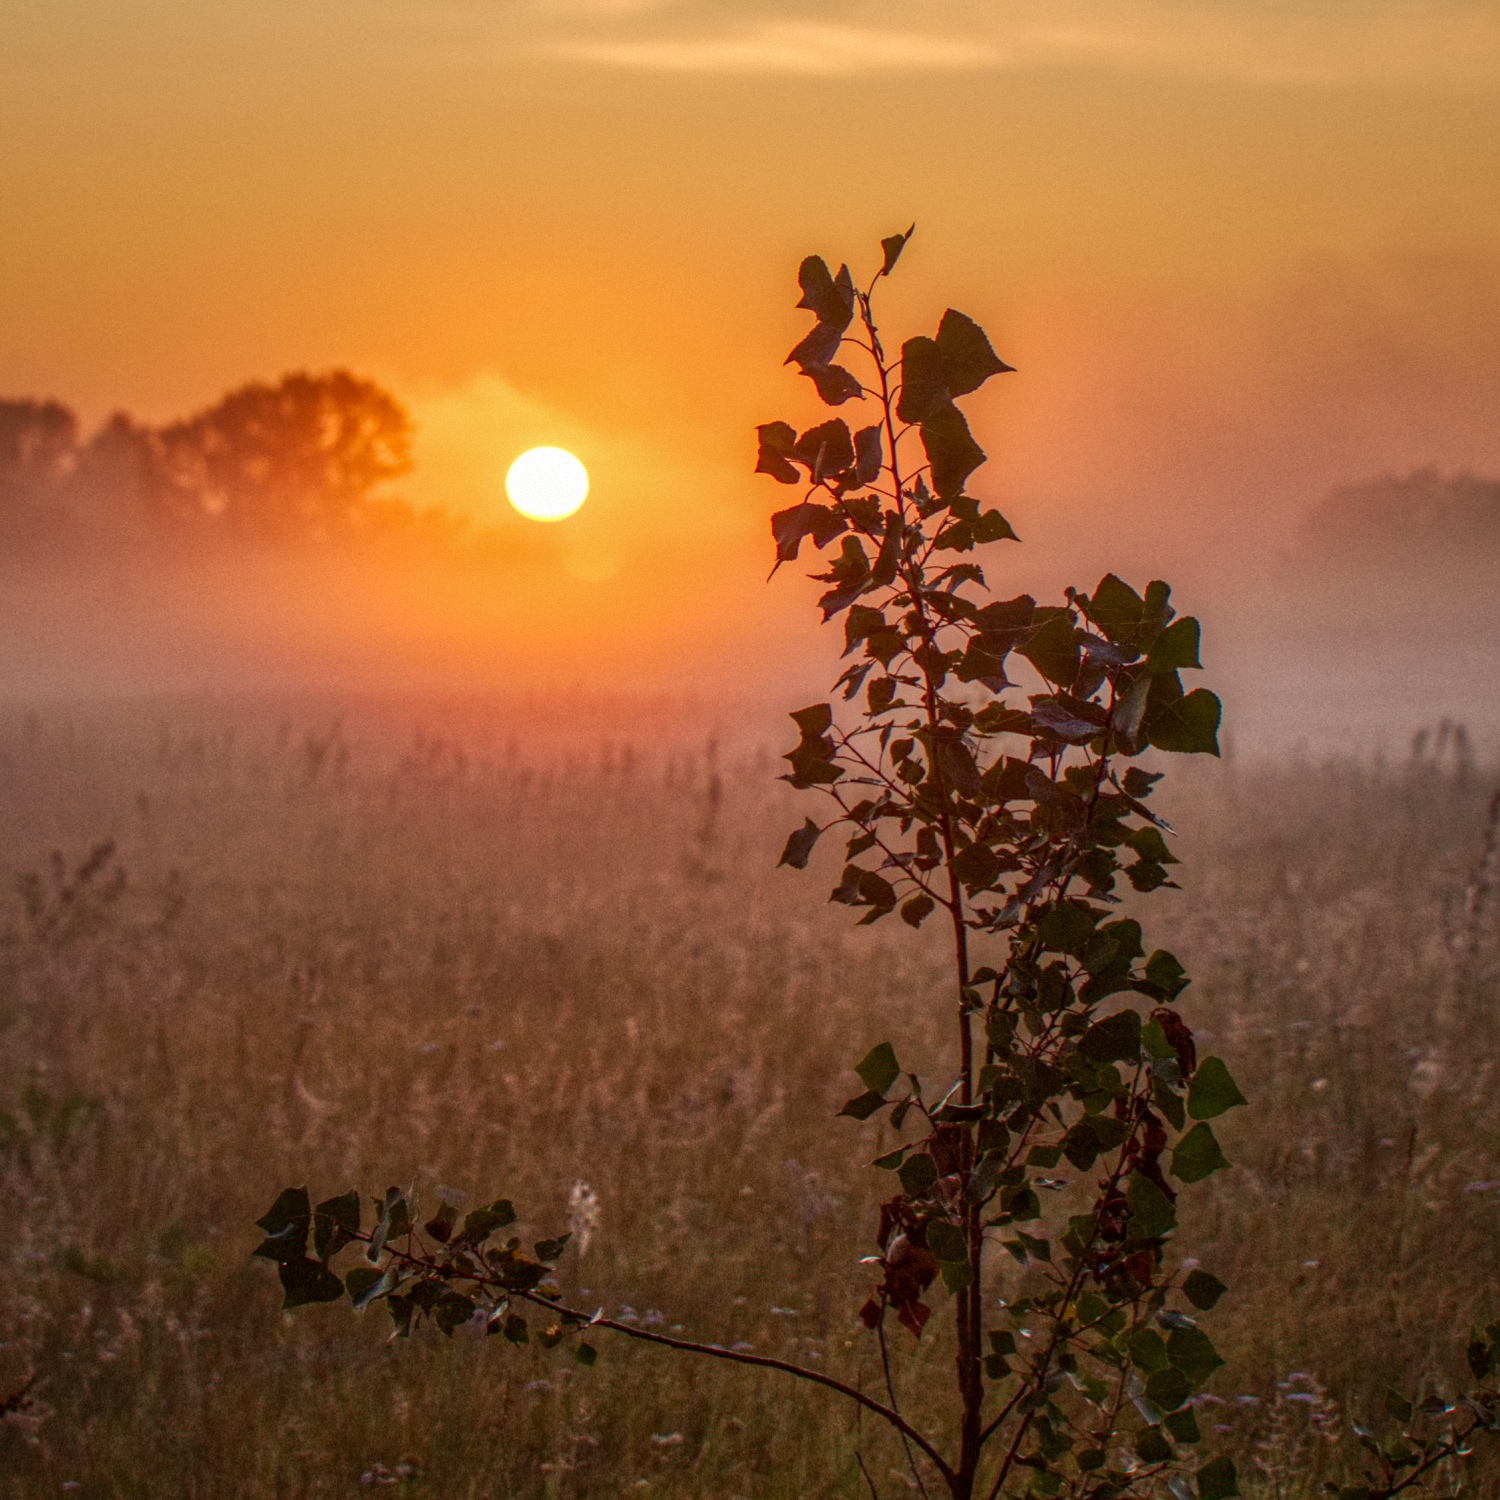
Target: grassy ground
column 516, row 971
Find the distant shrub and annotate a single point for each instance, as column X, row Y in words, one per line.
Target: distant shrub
column 1396, row 515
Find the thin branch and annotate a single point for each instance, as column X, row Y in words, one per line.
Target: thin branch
column 763, row 1361
column 890, row 1390
column 688, row 1346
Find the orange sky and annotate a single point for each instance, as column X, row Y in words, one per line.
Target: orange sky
column 1239, row 251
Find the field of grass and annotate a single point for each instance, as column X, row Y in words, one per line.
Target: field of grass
column 514, row 967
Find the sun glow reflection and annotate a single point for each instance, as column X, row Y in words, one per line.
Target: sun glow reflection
column 547, row 484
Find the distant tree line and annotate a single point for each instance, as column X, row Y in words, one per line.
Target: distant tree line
column 1396, row 516
column 304, row 460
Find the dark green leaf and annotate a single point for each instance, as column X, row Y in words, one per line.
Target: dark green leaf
column 480, row 1223
column 335, row 1223
column 1151, row 1213
column 1212, row 1090
column 830, row 299
column 1148, row 1351
column 1168, row 1389
column 918, row 1173
column 452, row 1311
column 946, row 1241
column 878, row 1068
column 981, row 665
column 817, row 348
column 957, row 1274
column 1021, row 1203
column 586, row 1355
column 1065, row 927
column 1183, row 1425
column 1149, row 844
column 825, row 450
column 777, row 440
column 951, row 449
column 916, row 909
column 977, row 867
column 1054, row 650
column 923, row 379
column 991, row 526
column 1197, row 1155
column 1116, row 1038
column 1151, row 1447
column 956, row 761
column 875, row 890
column 891, row 247
column 813, row 721
column 1166, row 974
column 835, row 384
column 1176, row 648
column 1145, row 876
column 968, row 358
column 305, row 1281
column 1091, row 1137
column 1130, row 714
column 1169, row 1103
column 1117, row 610
column 1217, row 1480
column 286, row 1223
column 551, row 1251
column 424, row 1294
column 440, row 1225
column 1069, row 727
column 1203, row 1290
column 402, row 1310
column 1192, row 1351
column 789, row 526
column 360, row 1282
column 862, row 1106
column 799, row 845
column 1189, row 726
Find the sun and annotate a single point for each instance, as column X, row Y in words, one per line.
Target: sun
column 547, row 484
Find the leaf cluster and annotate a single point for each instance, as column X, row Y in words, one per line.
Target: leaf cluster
column 1429, row 1444
column 454, row 1272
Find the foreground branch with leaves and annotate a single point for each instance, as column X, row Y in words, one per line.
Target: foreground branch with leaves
column 1038, row 1178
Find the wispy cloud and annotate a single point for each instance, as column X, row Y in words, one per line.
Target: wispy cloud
column 797, row 48
column 1323, row 42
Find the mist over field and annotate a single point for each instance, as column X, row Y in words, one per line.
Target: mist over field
column 1347, row 631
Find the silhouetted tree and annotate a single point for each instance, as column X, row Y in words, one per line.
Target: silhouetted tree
column 302, row 458
column 38, row 450
column 1396, row 517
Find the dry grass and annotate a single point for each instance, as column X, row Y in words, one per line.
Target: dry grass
column 512, row 973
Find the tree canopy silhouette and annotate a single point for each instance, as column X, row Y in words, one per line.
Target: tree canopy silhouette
column 38, row 440
column 303, row 457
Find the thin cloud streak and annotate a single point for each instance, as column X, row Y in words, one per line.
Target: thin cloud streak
column 793, row 48
column 1315, row 47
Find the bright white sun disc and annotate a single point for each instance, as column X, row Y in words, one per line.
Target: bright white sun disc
column 547, row 484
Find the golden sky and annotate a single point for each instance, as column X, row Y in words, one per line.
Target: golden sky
column 1240, row 250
